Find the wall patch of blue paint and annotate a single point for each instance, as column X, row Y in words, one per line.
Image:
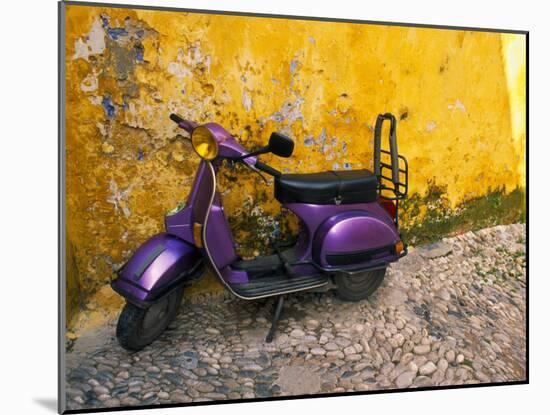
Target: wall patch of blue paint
column 108, row 106
column 323, row 135
column 308, row 141
column 344, row 147
column 139, row 52
column 347, row 166
column 105, row 21
column 115, row 32
column 140, row 155
column 293, row 66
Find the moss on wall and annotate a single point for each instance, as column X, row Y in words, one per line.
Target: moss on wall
column 427, row 218
column 323, row 83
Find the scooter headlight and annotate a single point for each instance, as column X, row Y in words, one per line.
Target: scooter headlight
column 204, row 143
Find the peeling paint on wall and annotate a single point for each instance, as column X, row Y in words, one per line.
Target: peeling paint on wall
column 322, row 83
column 458, row 106
column 92, row 43
column 119, row 198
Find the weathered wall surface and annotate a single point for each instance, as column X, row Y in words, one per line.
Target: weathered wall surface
column 323, row 83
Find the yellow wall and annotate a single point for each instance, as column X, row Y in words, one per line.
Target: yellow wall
column 514, row 52
column 323, row 83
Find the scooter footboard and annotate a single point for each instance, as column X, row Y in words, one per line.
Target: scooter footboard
column 160, row 265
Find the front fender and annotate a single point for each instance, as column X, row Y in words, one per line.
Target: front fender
column 160, row 265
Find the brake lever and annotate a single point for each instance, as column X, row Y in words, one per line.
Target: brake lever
column 259, row 174
column 256, row 171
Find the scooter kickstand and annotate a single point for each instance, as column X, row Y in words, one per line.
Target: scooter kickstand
column 276, row 315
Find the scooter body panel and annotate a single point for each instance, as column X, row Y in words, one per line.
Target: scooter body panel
column 354, row 238
column 219, row 236
column 357, row 231
column 160, row 264
column 345, row 230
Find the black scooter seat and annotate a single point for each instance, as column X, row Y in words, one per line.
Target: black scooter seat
column 326, row 188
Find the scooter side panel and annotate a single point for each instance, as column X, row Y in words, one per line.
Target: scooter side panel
column 345, row 229
column 219, row 237
column 180, row 224
column 314, row 216
column 161, row 263
column 354, row 232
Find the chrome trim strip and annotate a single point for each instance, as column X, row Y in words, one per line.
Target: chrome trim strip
column 311, row 287
column 204, row 228
column 211, row 260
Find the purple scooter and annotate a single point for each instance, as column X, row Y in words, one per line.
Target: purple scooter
column 349, row 234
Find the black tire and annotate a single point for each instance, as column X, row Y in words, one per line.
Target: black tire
column 138, row 327
column 359, row 286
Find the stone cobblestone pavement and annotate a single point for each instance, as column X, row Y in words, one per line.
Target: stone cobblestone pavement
column 449, row 314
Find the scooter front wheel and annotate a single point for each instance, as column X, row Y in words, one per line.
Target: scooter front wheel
column 138, row 327
column 359, row 286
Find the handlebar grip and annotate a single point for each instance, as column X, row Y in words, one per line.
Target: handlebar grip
column 183, row 123
column 267, row 169
column 176, row 118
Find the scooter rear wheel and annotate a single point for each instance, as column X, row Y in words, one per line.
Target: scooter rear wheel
column 138, row 327
column 359, row 286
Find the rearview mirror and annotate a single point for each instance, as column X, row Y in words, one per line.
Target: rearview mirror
column 280, row 145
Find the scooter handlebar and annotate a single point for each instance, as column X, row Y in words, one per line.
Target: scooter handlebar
column 267, row 169
column 183, row 123
column 176, row 118
column 190, row 125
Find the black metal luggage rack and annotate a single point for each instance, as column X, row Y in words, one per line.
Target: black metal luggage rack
column 393, row 177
